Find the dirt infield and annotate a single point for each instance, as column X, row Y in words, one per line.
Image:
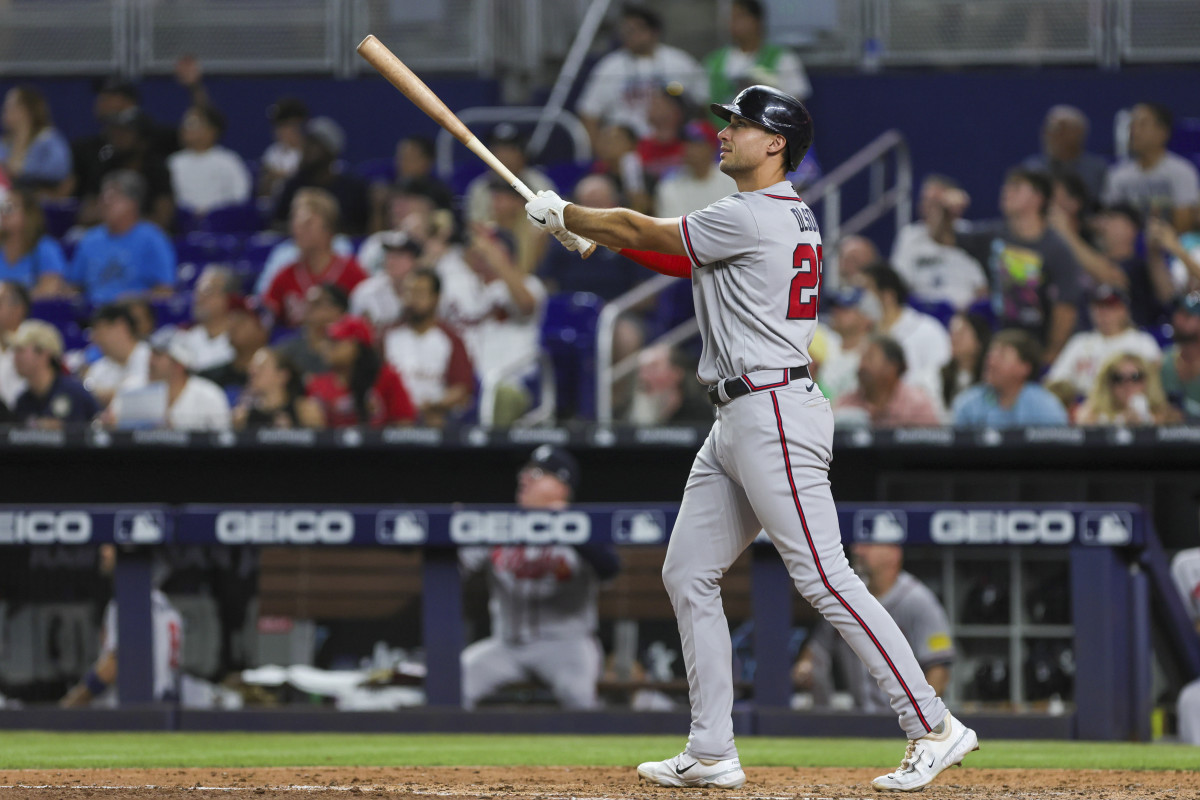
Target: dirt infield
column 579, row 783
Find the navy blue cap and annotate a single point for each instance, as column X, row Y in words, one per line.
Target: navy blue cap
column 557, row 462
column 845, row 297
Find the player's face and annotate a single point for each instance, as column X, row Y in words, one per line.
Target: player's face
column 744, row 146
column 537, row 488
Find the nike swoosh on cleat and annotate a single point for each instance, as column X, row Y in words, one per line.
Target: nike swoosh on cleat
column 539, row 220
column 679, row 771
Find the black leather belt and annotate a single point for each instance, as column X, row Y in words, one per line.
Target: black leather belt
column 736, row 387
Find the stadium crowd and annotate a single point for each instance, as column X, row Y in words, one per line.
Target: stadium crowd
column 152, row 277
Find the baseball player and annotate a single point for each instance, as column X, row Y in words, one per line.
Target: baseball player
column 755, row 263
column 166, row 637
column 542, row 600
column 1185, row 570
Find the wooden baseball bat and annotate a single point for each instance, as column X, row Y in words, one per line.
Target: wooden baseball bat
column 399, row 75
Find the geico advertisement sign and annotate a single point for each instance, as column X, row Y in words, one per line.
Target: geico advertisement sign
column 1002, row 527
column 520, row 527
column 285, row 527
column 45, row 527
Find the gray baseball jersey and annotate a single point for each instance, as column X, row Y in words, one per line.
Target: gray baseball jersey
column 921, row 619
column 1185, row 570
column 543, row 607
column 756, row 271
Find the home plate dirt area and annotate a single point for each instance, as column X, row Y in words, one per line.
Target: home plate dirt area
column 579, row 783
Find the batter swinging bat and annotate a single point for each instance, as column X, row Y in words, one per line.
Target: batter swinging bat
column 412, row 87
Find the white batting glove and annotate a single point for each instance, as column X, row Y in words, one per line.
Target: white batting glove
column 545, row 211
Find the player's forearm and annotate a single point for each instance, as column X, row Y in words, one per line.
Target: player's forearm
column 621, row 228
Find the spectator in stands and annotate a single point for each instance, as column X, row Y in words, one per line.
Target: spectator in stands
column 217, row 291
column 409, row 206
column 508, row 215
column 542, row 599
column 1113, row 333
column 1034, row 277
column 360, row 388
column 378, row 299
column 247, row 335
column 970, row 335
column 281, row 160
column 751, row 59
column 1009, row 395
column 125, row 361
column 32, row 150
column 667, row 392
column 883, row 399
column 166, row 638
column 193, row 403
column 1181, row 363
column 145, row 318
column 1185, row 573
column 313, row 223
column 1157, row 182
column 416, row 158
column 1069, row 217
column 1064, row 150
column 429, row 356
column 854, row 255
column 205, row 175
column 309, row 349
column 504, row 341
column 129, row 149
column 924, row 339
column 1151, row 290
column 605, row 273
column 14, row 309
column 508, row 145
column 924, row 253
column 1127, row 390
column 126, row 255
column 28, row 255
column 661, row 150
column 617, row 158
column 620, row 86
column 1162, row 240
column 324, row 140
column 853, row 314
column 697, row 182
column 50, row 397
column 274, row 396
column 917, row 611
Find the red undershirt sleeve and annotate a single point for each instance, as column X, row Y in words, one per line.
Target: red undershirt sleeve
column 675, row 266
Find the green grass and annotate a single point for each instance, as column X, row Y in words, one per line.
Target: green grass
column 43, row 750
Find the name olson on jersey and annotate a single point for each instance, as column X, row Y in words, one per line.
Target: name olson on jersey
column 520, row 527
column 1002, row 527
column 45, row 527
column 284, row 527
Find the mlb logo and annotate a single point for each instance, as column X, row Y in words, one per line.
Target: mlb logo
column 139, row 527
column 1106, row 528
column 639, row 527
column 880, row 527
column 402, row 527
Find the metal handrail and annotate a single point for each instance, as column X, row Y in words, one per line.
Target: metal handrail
column 606, row 326
column 515, row 114
column 540, row 414
column 873, row 157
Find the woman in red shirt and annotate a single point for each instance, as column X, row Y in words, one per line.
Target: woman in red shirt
column 360, row 388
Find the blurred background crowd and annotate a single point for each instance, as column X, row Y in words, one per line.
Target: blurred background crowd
column 152, row 277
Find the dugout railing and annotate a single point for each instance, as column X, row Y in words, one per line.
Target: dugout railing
column 1118, row 584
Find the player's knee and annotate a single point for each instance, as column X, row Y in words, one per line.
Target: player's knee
column 682, row 580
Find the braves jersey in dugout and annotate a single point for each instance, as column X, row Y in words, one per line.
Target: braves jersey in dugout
column 756, row 281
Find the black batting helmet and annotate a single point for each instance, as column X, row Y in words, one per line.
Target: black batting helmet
column 777, row 112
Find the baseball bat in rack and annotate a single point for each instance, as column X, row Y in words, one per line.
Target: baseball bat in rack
column 399, row 75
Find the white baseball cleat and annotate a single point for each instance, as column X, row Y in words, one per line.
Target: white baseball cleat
column 683, row 770
column 926, row 757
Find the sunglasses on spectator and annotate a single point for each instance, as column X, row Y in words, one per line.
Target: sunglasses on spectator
column 1117, row 378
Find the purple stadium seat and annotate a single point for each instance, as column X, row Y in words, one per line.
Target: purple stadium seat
column 377, row 170
column 70, row 316
column 174, row 310
column 242, row 219
column 569, row 336
column 196, row 250
column 60, row 215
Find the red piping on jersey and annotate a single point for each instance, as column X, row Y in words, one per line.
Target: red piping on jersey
column 821, row 570
column 787, row 377
column 688, row 239
column 675, row 266
column 781, row 197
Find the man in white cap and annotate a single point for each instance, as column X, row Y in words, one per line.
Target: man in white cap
column 193, row 403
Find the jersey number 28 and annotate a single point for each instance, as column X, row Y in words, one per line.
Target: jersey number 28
column 805, row 294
